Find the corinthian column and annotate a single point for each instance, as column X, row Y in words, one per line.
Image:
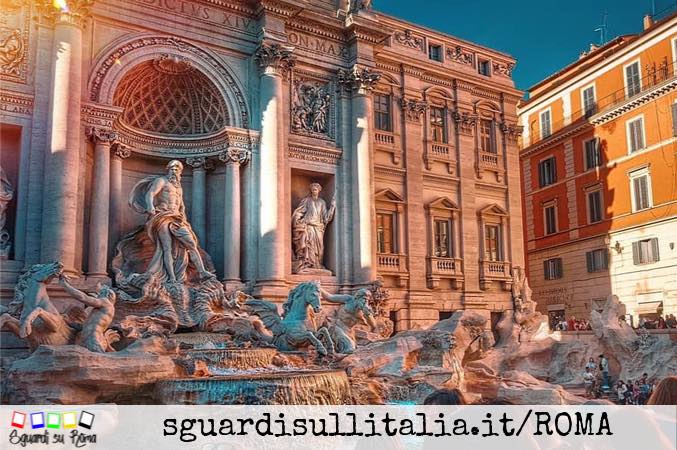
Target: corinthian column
column 234, row 158
column 98, row 213
column 199, row 197
column 274, row 61
column 360, row 81
column 62, row 171
column 117, row 199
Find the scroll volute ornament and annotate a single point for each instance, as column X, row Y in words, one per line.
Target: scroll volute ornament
column 74, row 12
column 465, row 121
column 361, row 79
column 413, row 108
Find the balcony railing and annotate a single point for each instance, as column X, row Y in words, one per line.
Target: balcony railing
column 495, row 269
column 388, row 262
column 489, row 160
column 444, row 266
column 440, row 150
column 653, row 76
column 384, row 138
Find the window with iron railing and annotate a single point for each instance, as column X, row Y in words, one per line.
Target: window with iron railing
column 633, row 80
column 589, row 104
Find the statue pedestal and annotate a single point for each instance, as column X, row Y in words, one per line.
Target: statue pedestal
column 315, row 272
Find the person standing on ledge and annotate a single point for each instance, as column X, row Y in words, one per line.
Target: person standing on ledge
column 161, row 197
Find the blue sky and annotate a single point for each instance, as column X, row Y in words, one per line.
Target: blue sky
column 544, row 36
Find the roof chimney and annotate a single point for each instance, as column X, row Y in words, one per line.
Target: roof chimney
column 648, row 21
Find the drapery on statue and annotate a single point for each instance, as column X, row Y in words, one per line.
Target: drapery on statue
column 6, row 195
column 309, row 221
column 354, row 310
column 176, row 246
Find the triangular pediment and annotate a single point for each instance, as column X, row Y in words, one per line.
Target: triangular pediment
column 388, row 195
column 493, row 210
column 443, row 203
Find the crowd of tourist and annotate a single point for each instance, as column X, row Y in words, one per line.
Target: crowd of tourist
column 661, row 323
column 559, row 323
column 596, row 381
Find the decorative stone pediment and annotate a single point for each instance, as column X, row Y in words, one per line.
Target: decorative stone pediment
column 388, row 195
column 442, row 203
column 493, row 210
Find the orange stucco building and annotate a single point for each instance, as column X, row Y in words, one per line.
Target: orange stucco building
column 599, row 173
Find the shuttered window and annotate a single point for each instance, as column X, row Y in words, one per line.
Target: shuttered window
column 593, row 157
column 674, row 118
column 546, row 124
column 552, row 269
column 636, row 135
column 597, row 260
column 633, row 82
column 589, row 105
column 595, row 206
column 641, row 197
column 547, row 172
column 645, row 251
column 550, row 220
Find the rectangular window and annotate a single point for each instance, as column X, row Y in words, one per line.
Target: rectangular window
column 635, row 131
column 547, row 172
column 442, row 241
column 487, row 136
column 550, row 213
column 597, row 260
column 589, row 104
column 435, row 52
column 546, row 125
column 593, row 155
column 382, row 112
column 645, row 251
column 640, row 185
column 595, row 213
column 633, row 81
column 491, row 252
column 484, row 67
column 552, row 269
column 385, row 233
column 437, row 124
column 674, row 118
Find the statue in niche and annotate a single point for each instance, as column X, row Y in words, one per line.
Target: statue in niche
column 310, row 108
column 176, row 246
column 6, row 195
column 309, row 221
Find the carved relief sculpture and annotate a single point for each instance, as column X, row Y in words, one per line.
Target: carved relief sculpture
column 459, row 55
column 12, row 53
column 407, row 39
column 503, row 69
column 309, row 221
column 311, row 103
column 6, row 195
column 355, row 6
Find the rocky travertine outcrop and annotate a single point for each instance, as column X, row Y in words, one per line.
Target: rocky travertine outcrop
column 71, row 374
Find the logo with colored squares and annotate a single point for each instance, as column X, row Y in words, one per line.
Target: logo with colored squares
column 53, row 420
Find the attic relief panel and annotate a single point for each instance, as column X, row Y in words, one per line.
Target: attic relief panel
column 312, row 108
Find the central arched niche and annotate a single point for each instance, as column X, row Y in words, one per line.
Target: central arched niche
column 167, row 96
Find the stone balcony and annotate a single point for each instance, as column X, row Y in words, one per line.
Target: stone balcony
column 499, row 271
column 393, row 264
column 388, row 142
column 444, row 153
column 492, row 162
column 440, row 268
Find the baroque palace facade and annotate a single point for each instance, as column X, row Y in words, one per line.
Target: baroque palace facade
column 599, row 164
column 410, row 136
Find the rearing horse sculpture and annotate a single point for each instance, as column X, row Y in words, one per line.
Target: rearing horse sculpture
column 290, row 331
column 32, row 315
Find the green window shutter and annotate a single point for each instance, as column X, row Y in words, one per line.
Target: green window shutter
column 654, row 250
column 635, row 253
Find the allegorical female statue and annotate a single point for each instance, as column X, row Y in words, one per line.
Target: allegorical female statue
column 6, row 195
column 309, row 221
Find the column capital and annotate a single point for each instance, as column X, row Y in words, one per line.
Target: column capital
column 200, row 163
column 413, row 108
column 235, row 155
column 466, row 122
column 101, row 134
column 121, row 150
column 274, row 58
column 72, row 12
column 358, row 79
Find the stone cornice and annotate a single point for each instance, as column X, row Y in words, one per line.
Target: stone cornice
column 99, row 134
column 16, row 103
column 315, row 154
column 555, row 138
column 645, row 97
column 97, row 115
